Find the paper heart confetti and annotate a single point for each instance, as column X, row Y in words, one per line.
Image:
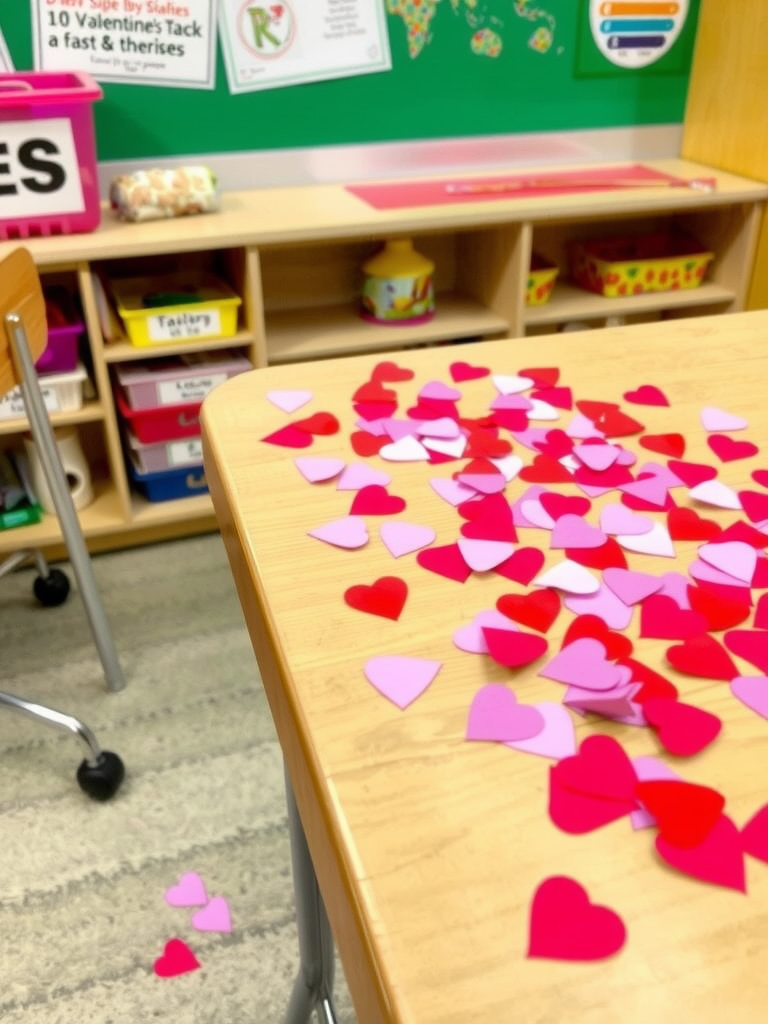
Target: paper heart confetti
column 460, row 371
column 348, row 532
column 289, row 400
column 513, row 648
column 583, row 663
column 385, row 597
column 538, row 610
column 523, row 566
column 189, row 891
column 685, row 812
column 716, row 419
column 565, row 925
column 615, row 645
column 405, row 449
column 618, row 519
column 445, row 560
column 214, row 917
column 732, row 557
column 718, row 859
column 685, row 523
column 496, row 716
column 646, row 394
column 470, row 637
column 728, row 449
column 656, row 541
column 683, row 729
column 375, row 500
column 318, row 469
column 391, row 373
column 568, row 576
column 629, row 586
column 665, row 444
column 752, row 691
column 663, row 619
column 357, row 475
column 401, row 678
column 754, row 835
column 402, row 538
column 715, row 492
column 557, row 738
column 484, row 555
column 603, row 604
column 177, row 958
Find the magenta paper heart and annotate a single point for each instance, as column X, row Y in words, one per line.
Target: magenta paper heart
column 495, row 715
column 188, row 892
column 435, row 389
column 604, row 604
column 583, row 663
column 556, row 740
column 753, row 692
column 629, row 586
column 616, row 519
column 360, row 474
column 403, row 538
column 400, row 678
column 316, row 469
column 572, row 531
column 733, row 557
column 718, row 419
column 289, row 401
column 470, row 638
column 215, row 917
column 484, row 555
column 646, row 394
column 451, row 490
column 348, row 532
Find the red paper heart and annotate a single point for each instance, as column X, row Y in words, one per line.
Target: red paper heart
column 489, row 518
column 664, row 444
column 760, row 476
column 617, row 645
column 593, row 410
column 682, row 729
column 320, row 423
column 391, row 372
column 555, row 443
column 686, row 524
column 743, row 531
column 539, row 609
column 375, row 500
column 445, row 561
column 719, row 859
column 370, row 411
column 728, row 449
column 646, row 394
column 544, row 470
column 607, row 556
column 615, row 423
column 704, row 657
column 556, row 505
column 374, row 391
column 465, row 371
column 289, row 437
column 662, row 618
column 750, row 644
column 638, row 504
column 720, row 612
column 614, row 476
column 565, row 925
column 478, row 467
column 365, row 444
column 542, row 376
column 578, row 813
column 692, row 473
column 560, row 398
column 653, row 684
column 511, row 419
column 385, row 597
column 685, row 813
column 485, row 444
column 177, row 958
column 522, row 566
column 754, row 835
column 760, row 620
column 755, row 505
column 514, row 648
column 600, row 769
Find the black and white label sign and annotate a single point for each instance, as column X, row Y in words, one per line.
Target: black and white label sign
column 39, row 170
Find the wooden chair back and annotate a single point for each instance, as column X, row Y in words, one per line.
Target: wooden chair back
column 20, row 293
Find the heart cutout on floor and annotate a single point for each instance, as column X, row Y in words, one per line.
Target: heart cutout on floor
column 661, row 618
column 683, row 729
column 616, row 645
column 375, row 500
column 385, row 597
column 465, row 371
column 538, row 610
column 400, row 678
column 366, row 444
column 664, row 444
column 704, row 657
column 718, row 859
column 646, row 394
column 685, row 523
column 188, row 892
column 728, row 449
column 391, row 373
column 289, row 437
column 320, row 423
column 685, row 813
column 496, row 716
column 348, row 532
column 556, row 740
column 402, row 538
column 523, row 566
column 514, row 648
column 214, row 917
column 289, row 400
column 713, row 418
column 565, row 925
column 445, row 560
column 600, row 769
column 177, row 958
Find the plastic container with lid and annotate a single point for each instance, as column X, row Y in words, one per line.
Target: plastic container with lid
column 398, row 285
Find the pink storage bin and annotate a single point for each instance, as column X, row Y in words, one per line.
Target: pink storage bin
column 46, row 126
column 157, row 458
column 178, row 380
column 166, row 423
column 64, row 332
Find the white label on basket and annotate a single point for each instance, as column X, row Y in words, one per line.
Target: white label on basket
column 183, row 453
column 189, row 389
column 184, row 324
column 12, row 404
column 39, row 169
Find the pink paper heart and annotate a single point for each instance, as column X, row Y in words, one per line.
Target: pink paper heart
column 734, row 557
column 289, row 401
column 400, row 678
column 753, row 692
column 715, row 419
column 315, row 469
column 483, row 483
column 360, row 474
column 655, row 542
column 512, row 402
column 484, row 555
column 570, row 577
column 580, row 428
column 437, row 389
column 597, row 456
column 614, row 704
column 715, row 492
column 706, row 573
column 511, row 384
column 651, row 489
column 604, row 604
column 618, row 519
column 470, row 638
column 583, row 663
column 405, row 449
column 451, row 490
column 495, row 716
column 629, row 586
column 396, row 429
column 188, row 892
column 215, row 917
column 453, row 446
column 556, row 740
column 403, row 538
column 445, row 428
column 348, row 532
column 572, row 531
column 535, row 514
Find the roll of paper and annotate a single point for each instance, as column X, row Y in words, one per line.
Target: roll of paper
column 156, row 193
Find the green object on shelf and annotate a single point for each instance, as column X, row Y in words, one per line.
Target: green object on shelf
column 155, row 300
column 22, row 515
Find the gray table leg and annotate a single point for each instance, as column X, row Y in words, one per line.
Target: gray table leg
column 313, row 987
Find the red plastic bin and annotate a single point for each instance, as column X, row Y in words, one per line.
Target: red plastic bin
column 164, row 423
column 48, row 170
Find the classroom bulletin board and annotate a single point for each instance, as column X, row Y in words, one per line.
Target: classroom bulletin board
column 460, row 68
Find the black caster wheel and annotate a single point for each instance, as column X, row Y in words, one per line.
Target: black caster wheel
column 53, row 589
column 101, row 780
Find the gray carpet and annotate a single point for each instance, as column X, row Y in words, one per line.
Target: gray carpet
column 82, row 913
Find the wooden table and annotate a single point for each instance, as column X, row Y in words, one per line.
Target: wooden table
column 428, row 848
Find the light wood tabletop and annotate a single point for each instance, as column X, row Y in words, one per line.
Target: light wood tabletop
column 428, row 848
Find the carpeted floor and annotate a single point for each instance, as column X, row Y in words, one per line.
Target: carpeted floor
column 82, row 909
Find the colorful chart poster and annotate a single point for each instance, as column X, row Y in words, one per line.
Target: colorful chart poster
column 138, row 42
column 632, row 35
column 6, row 64
column 267, row 45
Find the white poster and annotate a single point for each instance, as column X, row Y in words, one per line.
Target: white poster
column 6, row 64
column 139, row 42
column 268, row 45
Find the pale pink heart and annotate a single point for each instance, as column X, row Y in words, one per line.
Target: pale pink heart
column 583, row 663
column 444, row 428
column 597, row 456
column 656, row 542
column 647, row 769
column 572, row 531
column 714, row 419
column 570, row 462
column 650, row 489
column 316, row 468
column 675, row 585
column 377, row 428
column 535, row 513
column 626, row 457
column 495, row 716
column 400, row 678
column 451, row 490
column 348, row 532
column 510, row 384
column 403, row 538
column 615, row 703
column 438, row 390
column 397, row 429
column 484, row 555
column 509, row 466
column 512, row 402
column 604, row 604
column 734, row 557
column 706, row 573
column 593, row 492
column 188, row 892
column 753, row 692
column 470, row 638
column 636, row 718
column 580, row 428
column 630, row 586
column 289, row 401
column 454, row 446
column 484, row 483
column 214, row 917
column 541, row 410
column 662, row 473
column 558, row 737
column 406, row 449
column 360, row 474
column 570, row 577
column 530, row 494
column 615, row 519
column 715, row 492
column 532, row 437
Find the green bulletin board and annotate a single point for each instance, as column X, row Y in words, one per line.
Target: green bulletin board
column 467, row 68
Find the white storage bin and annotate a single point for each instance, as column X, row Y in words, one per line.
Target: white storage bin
column 62, row 392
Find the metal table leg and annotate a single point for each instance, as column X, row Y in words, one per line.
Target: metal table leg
column 313, row 987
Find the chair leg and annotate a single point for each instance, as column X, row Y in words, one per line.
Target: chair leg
column 42, row 434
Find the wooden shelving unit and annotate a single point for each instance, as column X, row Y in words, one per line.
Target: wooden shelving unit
column 294, row 257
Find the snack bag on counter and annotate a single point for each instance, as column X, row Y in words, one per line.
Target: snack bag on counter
column 154, row 194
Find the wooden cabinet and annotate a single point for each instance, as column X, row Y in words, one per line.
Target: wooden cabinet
column 294, row 256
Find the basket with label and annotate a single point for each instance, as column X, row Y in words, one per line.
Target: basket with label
column 62, row 392
column 662, row 261
column 188, row 306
